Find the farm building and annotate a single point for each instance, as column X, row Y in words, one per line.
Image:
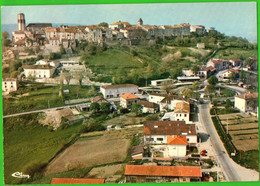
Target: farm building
column 161, row 174
column 114, row 91
column 38, row 71
column 161, row 82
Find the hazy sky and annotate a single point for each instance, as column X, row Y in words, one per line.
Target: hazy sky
column 239, row 18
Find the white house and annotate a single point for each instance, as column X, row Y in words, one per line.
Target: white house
column 126, row 100
column 247, row 102
column 38, row 71
column 181, row 112
column 164, row 136
column 9, row 85
column 156, row 98
column 54, row 64
column 149, row 107
column 114, row 91
column 161, row 82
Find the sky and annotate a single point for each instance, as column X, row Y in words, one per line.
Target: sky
column 230, row 18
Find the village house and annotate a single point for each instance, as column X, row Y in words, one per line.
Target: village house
column 203, row 72
column 161, row 174
column 38, row 71
column 226, row 75
column 169, row 138
column 9, row 85
column 76, row 181
column 126, row 100
column 200, row 45
column 114, row 91
column 236, row 62
column 98, row 100
column 199, row 29
column 119, row 25
column 181, row 112
column 247, row 102
column 54, row 64
column 149, row 107
column 219, row 64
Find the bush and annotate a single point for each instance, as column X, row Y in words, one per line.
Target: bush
column 35, row 168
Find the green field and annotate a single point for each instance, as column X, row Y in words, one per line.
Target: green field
column 113, row 61
column 236, row 53
column 26, row 141
column 40, row 97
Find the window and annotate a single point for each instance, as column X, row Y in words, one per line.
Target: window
column 159, row 139
column 185, row 115
column 177, row 114
column 180, row 115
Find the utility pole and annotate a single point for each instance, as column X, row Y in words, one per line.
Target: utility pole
column 227, row 125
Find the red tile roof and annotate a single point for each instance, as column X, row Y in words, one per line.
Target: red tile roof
column 148, row 104
column 128, row 96
column 76, row 181
column 172, row 171
column 168, row 128
column 177, row 140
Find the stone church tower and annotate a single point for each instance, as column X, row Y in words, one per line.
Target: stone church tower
column 140, row 22
column 21, row 21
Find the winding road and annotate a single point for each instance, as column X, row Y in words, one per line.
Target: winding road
column 231, row 170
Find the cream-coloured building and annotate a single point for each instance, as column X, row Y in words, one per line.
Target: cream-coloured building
column 114, row 91
column 247, row 102
column 9, row 85
column 38, row 71
column 126, row 100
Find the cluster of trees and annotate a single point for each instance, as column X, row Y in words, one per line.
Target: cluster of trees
column 104, row 107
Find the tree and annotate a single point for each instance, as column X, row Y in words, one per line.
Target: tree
column 233, row 76
column 94, row 107
column 210, row 89
column 79, row 77
column 62, row 50
column 5, row 41
column 136, row 108
column 195, row 86
column 213, row 80
column 14, row 74
column 195, row 69
column 228, row 104
column 133, row 52
column 103, row 24
column 105, row 107
column 186, row 92
column 67, row 76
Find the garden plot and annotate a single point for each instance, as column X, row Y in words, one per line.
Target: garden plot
column 243, row 129
column 111, row 173
column 111, row 147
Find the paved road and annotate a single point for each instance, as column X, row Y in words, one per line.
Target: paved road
column 226, row 163
column 43, row 110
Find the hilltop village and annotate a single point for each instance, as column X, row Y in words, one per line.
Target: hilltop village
column 123, row 103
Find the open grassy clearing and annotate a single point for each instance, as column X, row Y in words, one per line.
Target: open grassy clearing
column 110, row 148
column 112, row 61
column 126, row 119
column 235, row 53
column 41, row 97
column 26, row 141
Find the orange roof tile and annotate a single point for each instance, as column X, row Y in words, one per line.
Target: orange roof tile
column 150, row 170
column 177, row 140
column 129, row 96
column 76, row 181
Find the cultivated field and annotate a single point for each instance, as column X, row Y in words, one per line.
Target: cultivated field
column 98, row 149
column 243, row 130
